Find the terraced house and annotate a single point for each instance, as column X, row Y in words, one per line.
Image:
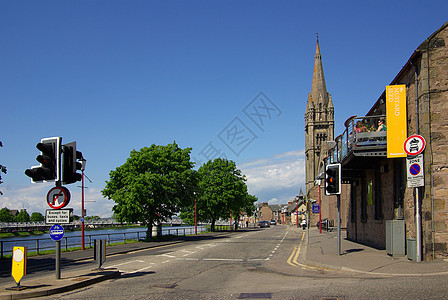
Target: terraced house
column 391, row 203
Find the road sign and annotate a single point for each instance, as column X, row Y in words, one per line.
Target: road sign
column 58, row 216
column 58, row 197
column 18, row 263
column 415, row 171
column 56, row 232
column 315, row 208
column 414, row 145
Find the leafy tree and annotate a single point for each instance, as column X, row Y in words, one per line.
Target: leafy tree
column 2, row 170
column 23, row 216
column 5, row 215
column 222, row 189
column 37, row 217
column 151, row 185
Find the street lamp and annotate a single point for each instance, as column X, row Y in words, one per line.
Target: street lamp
column 83, row 167
column 195, row 215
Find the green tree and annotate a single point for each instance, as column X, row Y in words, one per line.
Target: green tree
column 221, row 190
column 151, row 185
column 5, row 215
column 23, row 216
column 2, row 170
column 37, row 217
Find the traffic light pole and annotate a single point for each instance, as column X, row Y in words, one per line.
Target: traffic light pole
column 339, row 223
column 57, row 266
column 82, row 210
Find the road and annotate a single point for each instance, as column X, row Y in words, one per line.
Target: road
column 257, row 264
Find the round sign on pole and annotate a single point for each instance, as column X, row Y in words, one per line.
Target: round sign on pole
column 58, row 197
column 56, row 232
column 414, row 145
column 414, row 169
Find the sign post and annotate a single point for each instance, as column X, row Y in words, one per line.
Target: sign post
column 18, row 269
column 56, row 234
column 414, row 146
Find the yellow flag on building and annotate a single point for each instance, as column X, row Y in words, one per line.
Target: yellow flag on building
column 396, row 120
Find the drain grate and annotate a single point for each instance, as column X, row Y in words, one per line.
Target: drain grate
column 255, row 296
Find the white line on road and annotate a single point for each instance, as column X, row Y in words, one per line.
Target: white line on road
column 139, row 270
column 223, row 259
column 125, row 263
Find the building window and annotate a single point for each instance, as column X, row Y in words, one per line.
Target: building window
column 353, row 203
column 363, row 200
column 378, row 202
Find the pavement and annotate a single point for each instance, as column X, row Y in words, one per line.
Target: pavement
column 320, row 250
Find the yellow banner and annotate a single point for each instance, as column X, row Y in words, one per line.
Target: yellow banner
column 396, row 120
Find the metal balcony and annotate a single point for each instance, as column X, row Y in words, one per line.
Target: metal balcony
column 360, row 145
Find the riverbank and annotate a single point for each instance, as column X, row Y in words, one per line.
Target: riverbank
column 39, row 232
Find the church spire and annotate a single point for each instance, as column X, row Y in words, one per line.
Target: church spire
column 319, row 94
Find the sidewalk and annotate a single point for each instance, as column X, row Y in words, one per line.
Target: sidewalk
column 322, row 251
column 70, row 280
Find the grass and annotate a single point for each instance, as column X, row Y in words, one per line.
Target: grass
column 21, row 233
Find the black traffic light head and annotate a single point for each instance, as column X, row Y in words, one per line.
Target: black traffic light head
column 49, row 159
column 71, row 163
column 333, row 179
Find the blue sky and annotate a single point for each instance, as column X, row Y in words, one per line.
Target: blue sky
column 121, row 75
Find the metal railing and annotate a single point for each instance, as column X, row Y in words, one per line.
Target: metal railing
column 360, row 134
column 41, row 244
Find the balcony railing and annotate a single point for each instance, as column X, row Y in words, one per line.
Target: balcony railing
column 360, row 138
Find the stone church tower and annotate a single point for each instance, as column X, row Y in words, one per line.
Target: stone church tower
column 319, row 122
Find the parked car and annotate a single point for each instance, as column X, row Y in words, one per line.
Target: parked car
column 263, row 224
column 273, row 222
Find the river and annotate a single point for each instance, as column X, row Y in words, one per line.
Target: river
column 71, row 239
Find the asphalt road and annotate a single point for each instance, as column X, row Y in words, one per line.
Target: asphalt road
column 259, row 264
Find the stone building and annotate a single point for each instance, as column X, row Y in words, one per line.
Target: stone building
column 319, row 122
column 266, row 212
column 380, row 192
column 319, row 138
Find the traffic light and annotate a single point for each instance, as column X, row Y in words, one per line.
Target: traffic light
column 49, row 159
column 333, row 179
column 72, row 161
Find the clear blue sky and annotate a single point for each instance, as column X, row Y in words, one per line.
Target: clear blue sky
column 120, row 75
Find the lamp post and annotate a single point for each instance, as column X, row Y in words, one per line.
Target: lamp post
column 320, row 210
column 297, row 213
column 195, row 216
column 83, row 167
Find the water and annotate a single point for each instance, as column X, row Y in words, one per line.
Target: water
column 72, row 239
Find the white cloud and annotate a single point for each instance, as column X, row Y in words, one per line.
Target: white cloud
column 276, row 179
column 33, row 198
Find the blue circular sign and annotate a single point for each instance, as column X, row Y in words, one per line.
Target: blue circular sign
column 56, row 232
column 414, row 169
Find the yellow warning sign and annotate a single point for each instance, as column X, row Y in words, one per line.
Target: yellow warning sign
column 18, row 269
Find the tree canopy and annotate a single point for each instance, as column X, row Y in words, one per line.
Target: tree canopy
column 5, row 215
column 152, row 185
column 221, row 191
column 37, row 217
column 23, row 216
